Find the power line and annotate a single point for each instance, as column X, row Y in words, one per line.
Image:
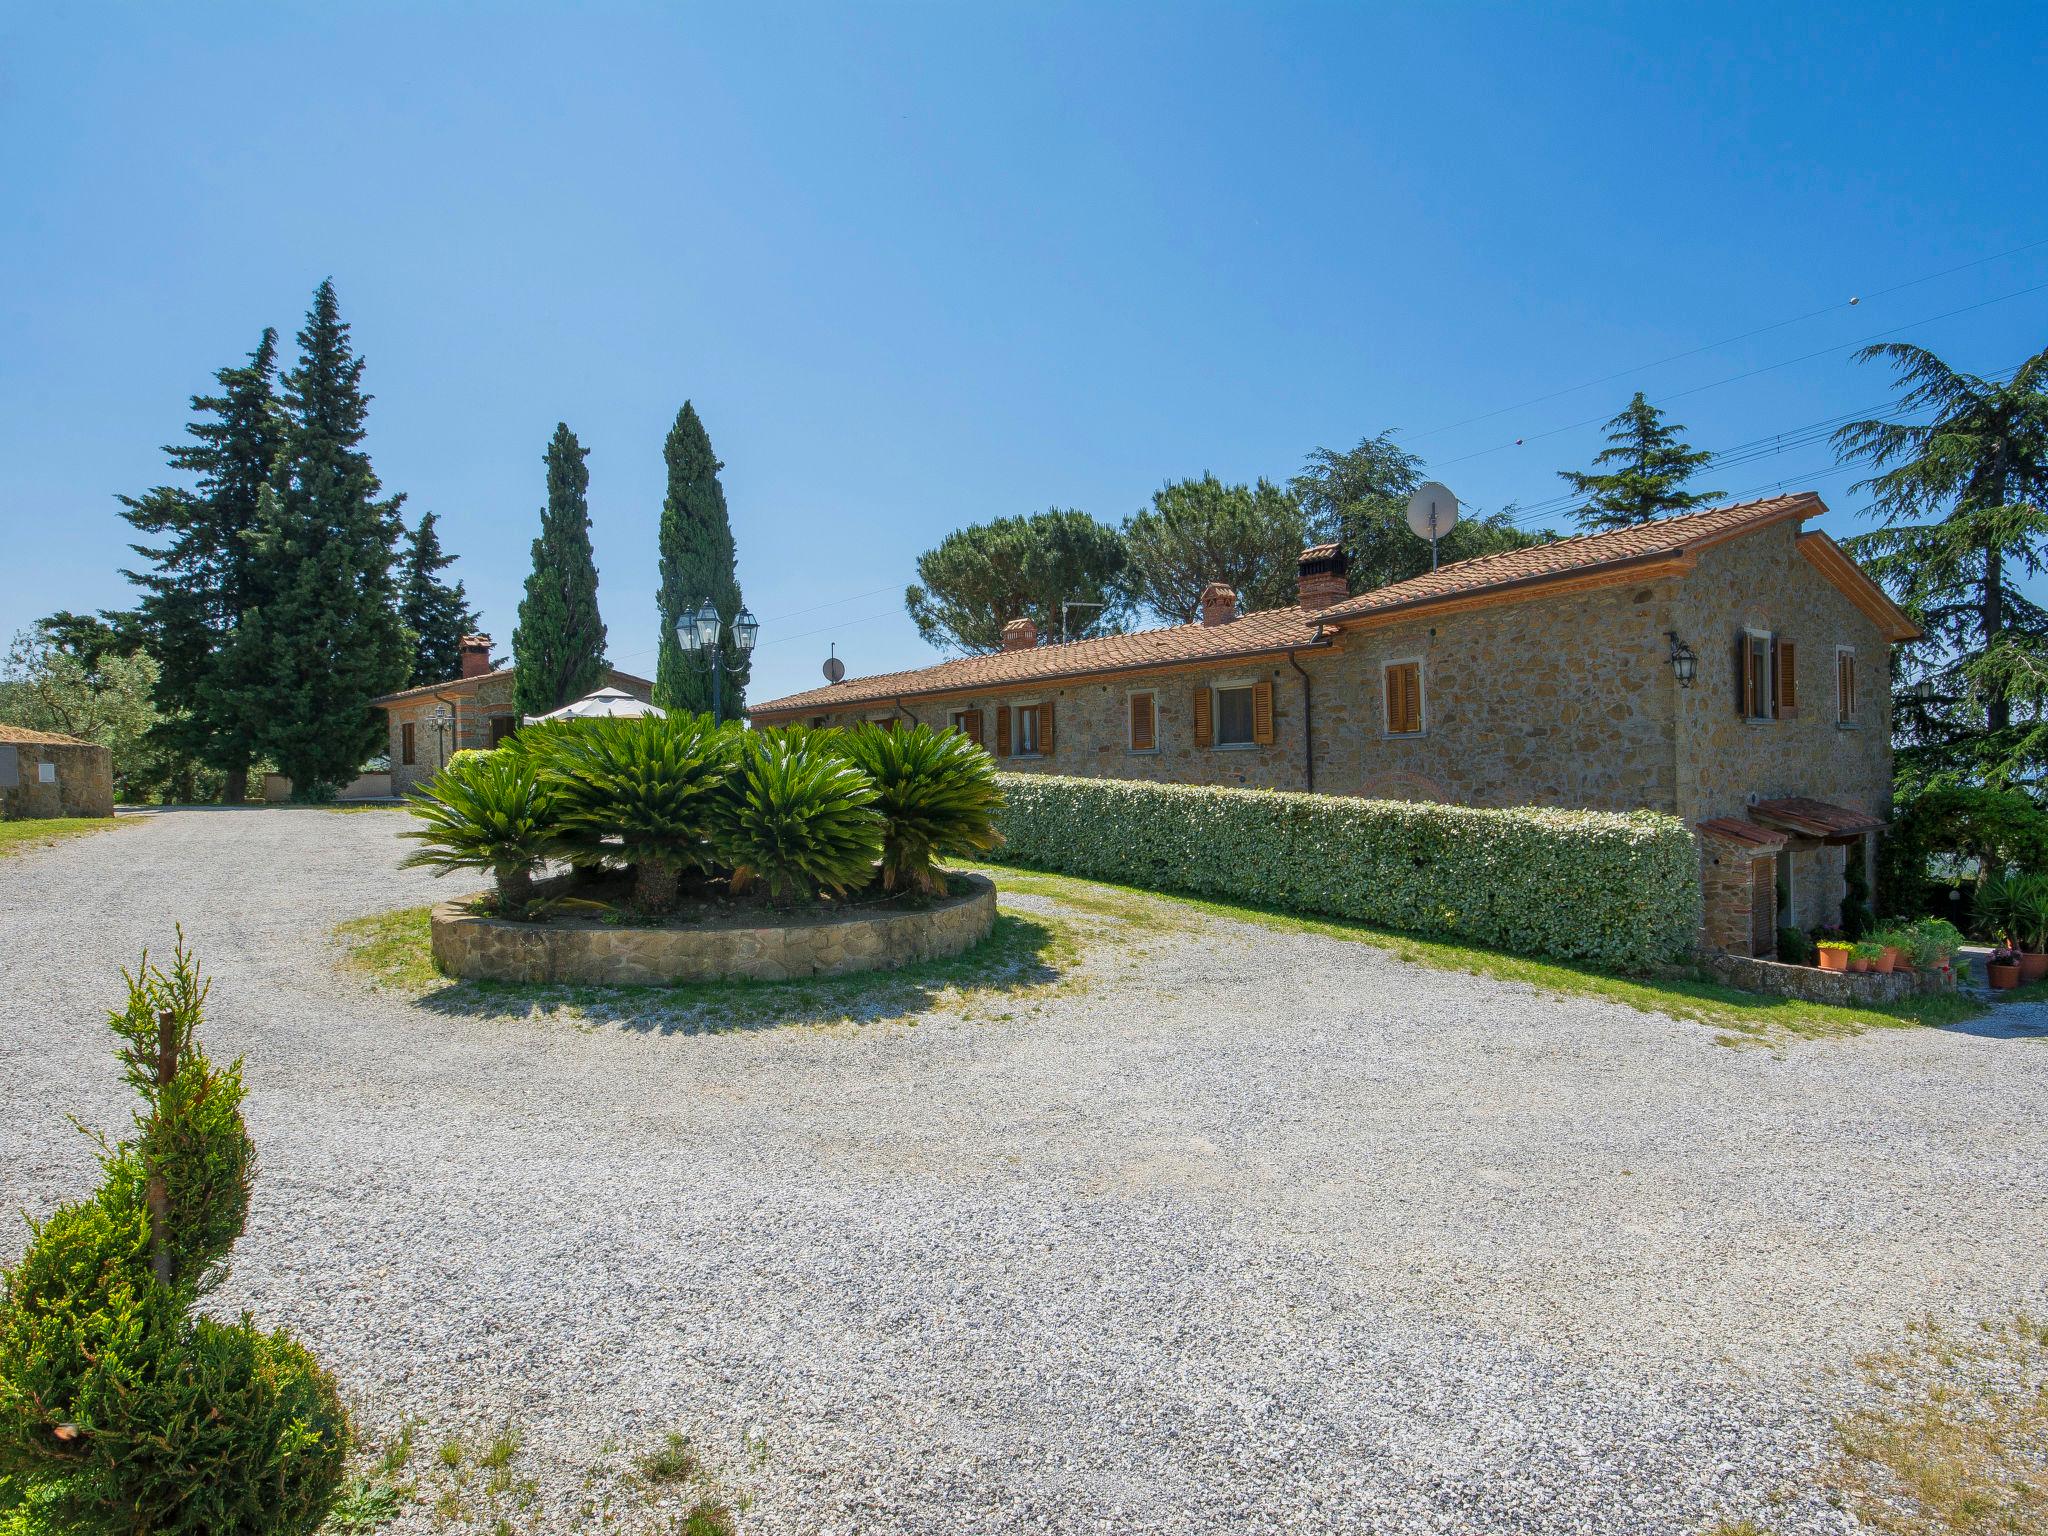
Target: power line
column 1750, row 373
column 1726, row 341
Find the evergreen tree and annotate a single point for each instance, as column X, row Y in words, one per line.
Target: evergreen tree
column 559, row 644
column 327, row 638
column 436, row 614
column 1963, row 497
column 1652, row 463
column 980, row 577
column 697, row 561
column 1199, row 531
column 207, row 574
column 1359, row 498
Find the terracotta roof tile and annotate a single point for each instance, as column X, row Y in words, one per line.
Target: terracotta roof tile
column 1746, row 833
column 1287, row 628
column 1814, row 818
column 1252, row 634
column 1583, row 552
column 457, row 683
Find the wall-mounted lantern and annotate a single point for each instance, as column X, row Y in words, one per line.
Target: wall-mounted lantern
column 1684, row 665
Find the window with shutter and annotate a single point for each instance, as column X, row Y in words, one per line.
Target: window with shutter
column 1845, row 684
column 1003, row 730
column 1045, row 735
column 1144, row 723
column 1205, row 729
column 968, row 723
column 408, row 753
column 1234, row 716
column 1024, row 728
column 1401, row 685
column 1262, row 713
column 1787, row 707
column 1755, row 660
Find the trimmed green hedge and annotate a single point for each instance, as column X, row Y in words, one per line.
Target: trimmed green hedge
column 1614, row 888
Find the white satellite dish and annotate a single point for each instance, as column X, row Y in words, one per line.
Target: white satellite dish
column 1432, row 513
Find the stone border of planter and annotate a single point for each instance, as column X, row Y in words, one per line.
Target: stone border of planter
column 1811, row 984
column 810, row 944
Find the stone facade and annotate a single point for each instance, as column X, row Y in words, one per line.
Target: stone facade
column 484, row 714
column 834, row 944
column 43, row 776
column 1556, row 700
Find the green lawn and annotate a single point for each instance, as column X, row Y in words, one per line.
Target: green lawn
column 17, row 835
column 1683, row 993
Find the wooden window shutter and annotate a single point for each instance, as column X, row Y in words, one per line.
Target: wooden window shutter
column 1743, row 695
column 1402, row 684
column 1788, row 679
column 1262, row 713
column 1845, row 685
column 406, row 752
column 1002, row 730
column 1144, row 733
column 1045, row 729
column 970, row 725
column 1205, row 729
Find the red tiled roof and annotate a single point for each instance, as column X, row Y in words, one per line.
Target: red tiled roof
column 1814, row 818
column 1731, row 830
column 457, row 684
column 1252, row 634
column 1586, row 552
column 1284, row 629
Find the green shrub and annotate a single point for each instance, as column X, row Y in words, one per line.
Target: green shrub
column 487, row 810
column 645, row 787
column 1618, row 889
column 1935, row 939
column 799, row 819
column 1794, row 947
column 123, row 1412
column 937, row 794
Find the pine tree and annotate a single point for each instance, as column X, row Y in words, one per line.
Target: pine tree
column 437, row 614
column 559, row 644
column 1652, row 461
column 327, row 639
column 1963, row 499
column 207, row 574
column 697, row 561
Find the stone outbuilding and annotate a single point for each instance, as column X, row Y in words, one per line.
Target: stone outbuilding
column 473, row 710
column 43, row 774
column 1727, row 667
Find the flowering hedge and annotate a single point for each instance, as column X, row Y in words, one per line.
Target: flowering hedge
column 1614, row 888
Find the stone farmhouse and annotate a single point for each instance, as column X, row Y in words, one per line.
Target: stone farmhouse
column 1726, row 666
column 480, row 713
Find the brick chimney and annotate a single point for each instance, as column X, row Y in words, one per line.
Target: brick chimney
column 1020, row 635
column 1219, row 604
column 1323, row 568
column 476, row 655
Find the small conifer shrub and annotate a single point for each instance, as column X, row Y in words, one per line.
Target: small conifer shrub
column 122, row 1411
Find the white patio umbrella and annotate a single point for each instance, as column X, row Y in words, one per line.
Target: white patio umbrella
column 614, row 703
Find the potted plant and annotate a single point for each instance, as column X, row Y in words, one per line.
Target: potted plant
column 1834, row 954
column 1934, row 940
column 2027, row 900
column 1898, row 947
column 2002, row 969
column 1864, row 955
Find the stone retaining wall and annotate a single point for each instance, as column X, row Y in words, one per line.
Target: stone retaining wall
column 1811, row 984
column 492, row 949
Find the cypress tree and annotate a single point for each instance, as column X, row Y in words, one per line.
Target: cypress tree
column 207, row 574
column 327, row 639
column 1652, row 461
column 558, row 645
column 697, row 561
column 437, row 614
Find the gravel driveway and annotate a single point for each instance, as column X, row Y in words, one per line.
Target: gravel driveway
column 1234, row 1231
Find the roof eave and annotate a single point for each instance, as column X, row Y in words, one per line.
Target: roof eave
column 1657, row 562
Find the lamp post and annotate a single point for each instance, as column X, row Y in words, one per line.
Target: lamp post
column 442, row 719
column 700, row 634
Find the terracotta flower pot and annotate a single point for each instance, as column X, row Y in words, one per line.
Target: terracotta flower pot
column 1834, row 960
column 1858, row 965
column 2003, row 977
column 1887, row 962
column 2034, row 967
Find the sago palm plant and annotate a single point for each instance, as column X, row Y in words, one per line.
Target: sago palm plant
column 645, row 789
column 937, row 794
column 493, row 811
column 798, row 819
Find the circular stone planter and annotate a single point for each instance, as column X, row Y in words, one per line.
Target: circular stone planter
column 771, row 947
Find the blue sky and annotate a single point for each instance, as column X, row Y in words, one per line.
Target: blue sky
column 920, row 265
